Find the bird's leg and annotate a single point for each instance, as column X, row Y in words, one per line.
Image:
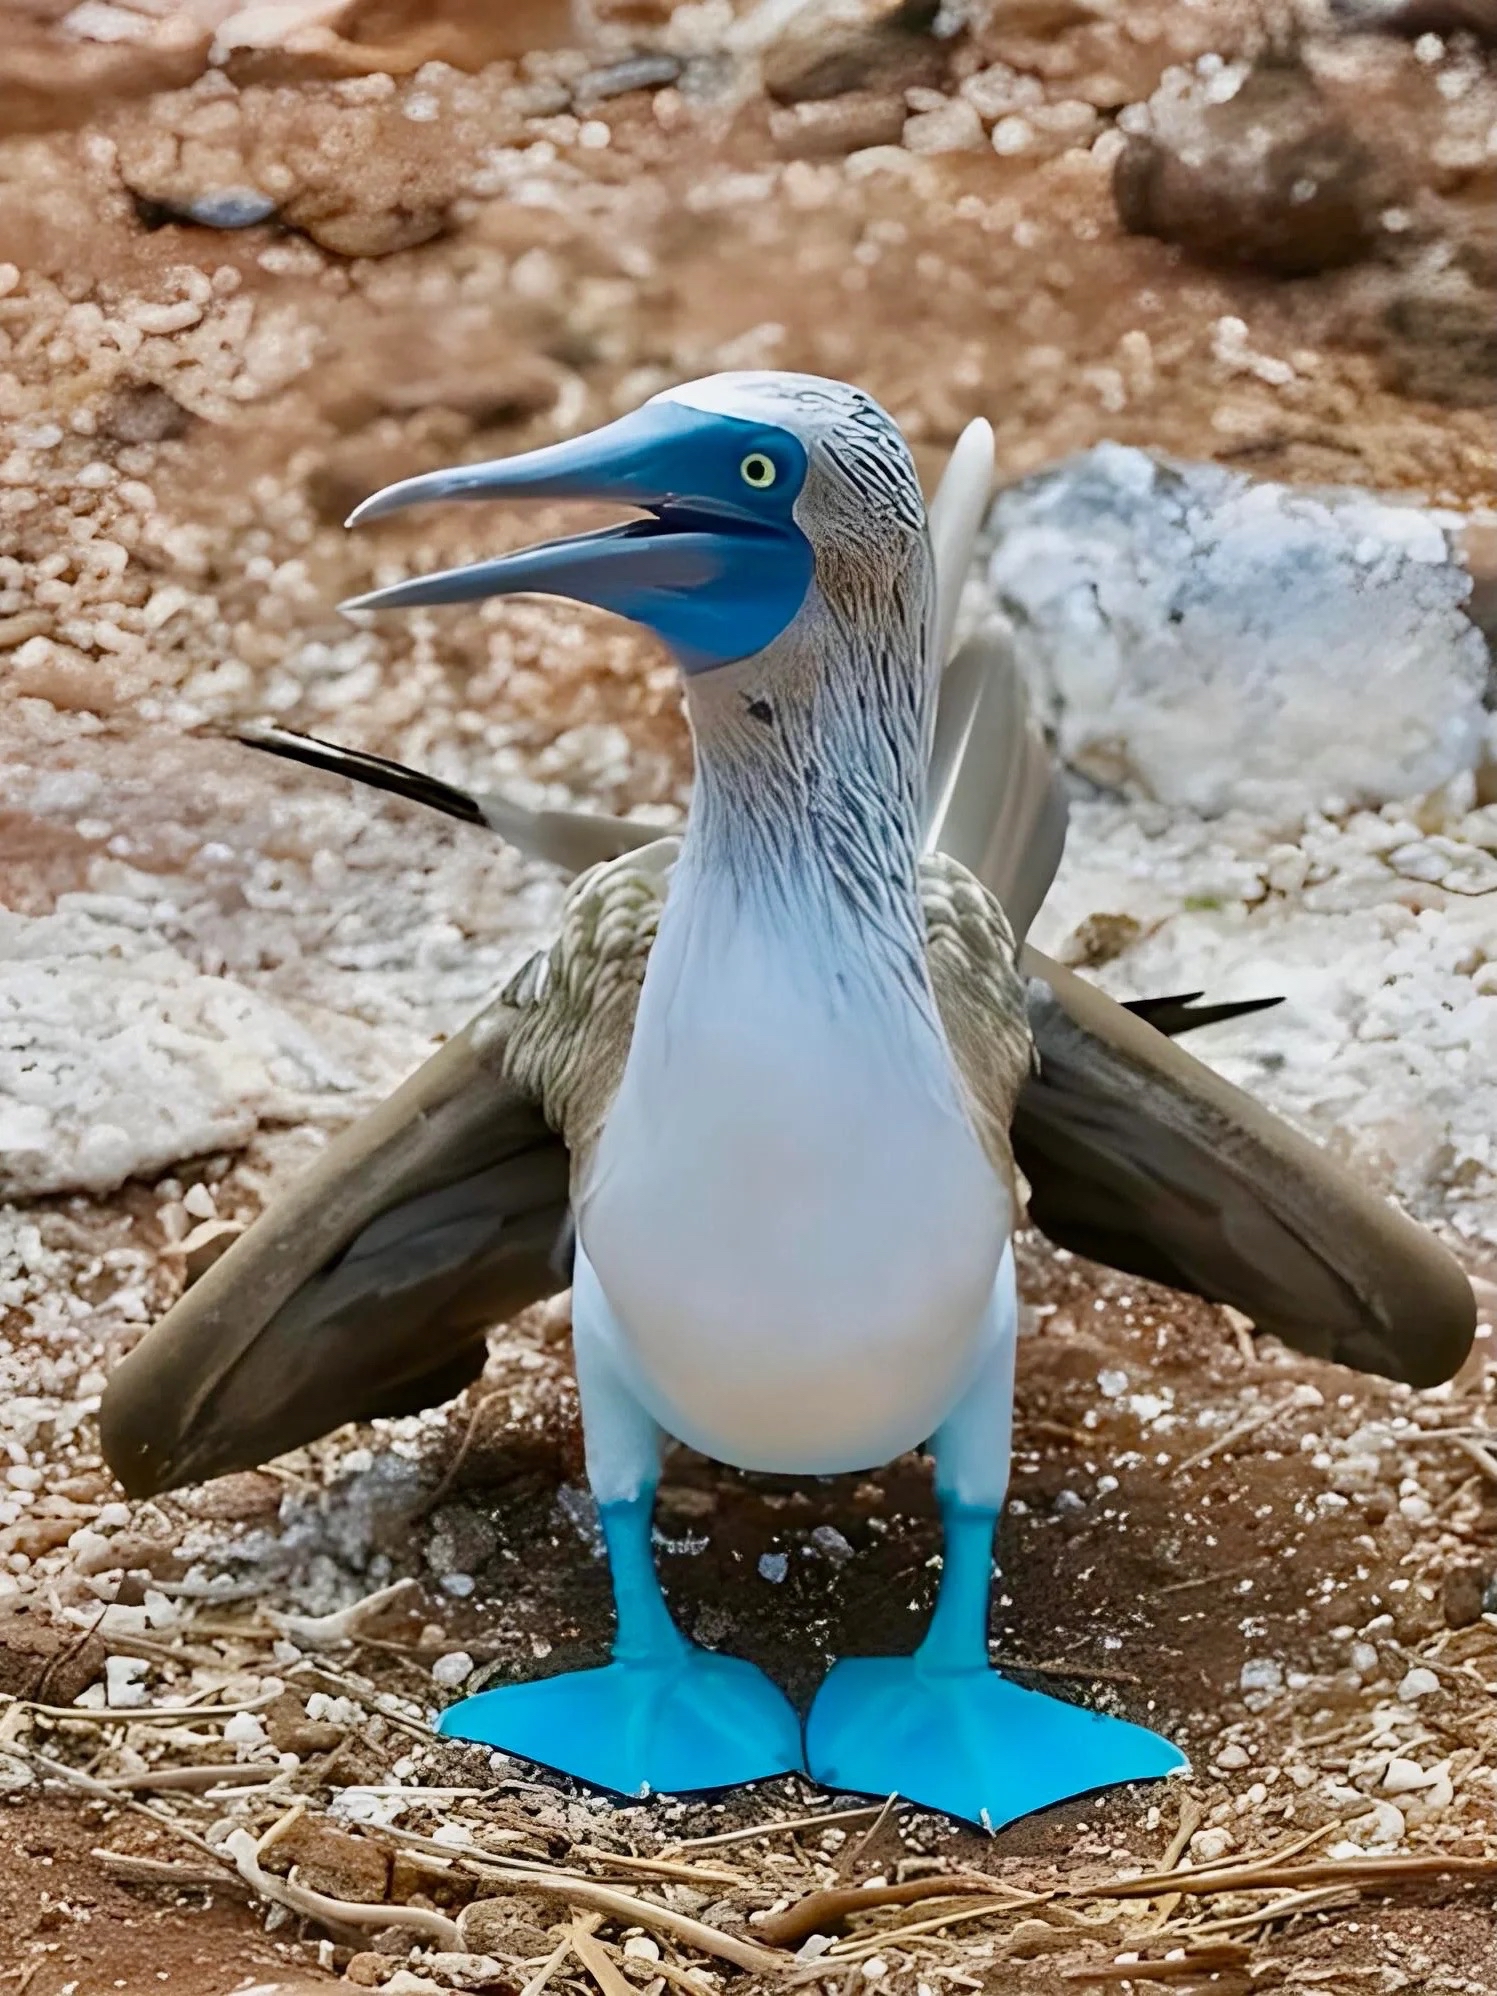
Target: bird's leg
column 665, row 1715
column 942, row 1727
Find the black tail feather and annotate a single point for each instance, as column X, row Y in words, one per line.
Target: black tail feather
column 1183, row 1012
column 362, row 767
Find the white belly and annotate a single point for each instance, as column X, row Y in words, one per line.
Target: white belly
column 791, row 1218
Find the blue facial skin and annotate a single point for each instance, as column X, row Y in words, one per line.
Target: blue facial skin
column 718, row 571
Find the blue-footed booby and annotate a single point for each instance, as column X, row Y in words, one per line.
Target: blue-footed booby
column 772, row 1068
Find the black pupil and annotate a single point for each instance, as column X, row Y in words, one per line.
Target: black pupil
column 760, row 471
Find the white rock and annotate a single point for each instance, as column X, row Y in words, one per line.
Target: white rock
column 1419, row 1683
column 199, row 1201
column 1384, row 1828
column 245, row 1729
column 1206, row 1846
column 1232, row 1756
column 472, row 1971
column 1212, row 640
column 124, row 1686
column 452, row 1669
column 1440, row 1793
column 955, row 127
column 1262, row 1674
column 117, row 1057
column 1402, row 1777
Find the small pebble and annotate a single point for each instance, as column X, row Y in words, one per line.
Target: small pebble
column 1262, row 1674
column 1206, row 1846
column 452, row 1669
column 230, row 208
column 1402, row 1777
column 124, row 1689
column 1420, row 1683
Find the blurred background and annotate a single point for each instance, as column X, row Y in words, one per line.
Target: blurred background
column 1223, row 278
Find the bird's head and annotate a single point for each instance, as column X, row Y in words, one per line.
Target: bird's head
column 771, row 501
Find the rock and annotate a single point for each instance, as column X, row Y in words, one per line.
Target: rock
column 291, row 1731
column 1418, row 1683
column 206, row 1244
column 1404, row 1777
column 472, row 1971
column 330, row 1861
column 291, row 41
column 618, row 79
column 1270, row 177
column 1418, row 17
column 43, row 1659
column 52, row 82
column 1099, row 939
column 509, row 1926
column 141, row 413
column 1261, row 1676
column 895, row 50
column 836, row 126
column 462, row 1539
column 1206, row 1846
column 214, row 208
column 1462, row 1592
column 25, row 624
column 950, row 126
column 1438, row 341
column 342, row 219
column 1135, row 591
column 249, row 1496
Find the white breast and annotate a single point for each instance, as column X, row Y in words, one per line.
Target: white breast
column 789, row 1212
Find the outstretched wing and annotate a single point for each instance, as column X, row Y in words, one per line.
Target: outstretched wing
column 1139, row 1156
column 366, row 1289
column 369, row 1287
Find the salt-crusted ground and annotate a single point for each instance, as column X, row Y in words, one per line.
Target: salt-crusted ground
column 206, row 962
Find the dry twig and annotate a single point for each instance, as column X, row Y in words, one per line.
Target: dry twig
column 326, row 1631
column 824, row 1912
column 162, row 1871
column 1259, row 1418
column 603, row 1899
column 335, row 1914
column 792, row 1823
column 596, row 1959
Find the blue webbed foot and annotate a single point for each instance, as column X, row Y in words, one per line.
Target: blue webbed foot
column 967, row 1741
column 670, row 1723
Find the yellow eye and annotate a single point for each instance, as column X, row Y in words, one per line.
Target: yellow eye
column 758, row 471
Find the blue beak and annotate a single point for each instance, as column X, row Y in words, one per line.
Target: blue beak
column 718, row 569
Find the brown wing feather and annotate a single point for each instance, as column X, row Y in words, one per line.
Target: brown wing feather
column 1140, row 1156
column 367, row 1286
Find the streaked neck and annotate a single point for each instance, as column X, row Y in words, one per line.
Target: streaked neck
column 810, row 788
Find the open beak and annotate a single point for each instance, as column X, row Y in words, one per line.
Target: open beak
column 712, row 572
